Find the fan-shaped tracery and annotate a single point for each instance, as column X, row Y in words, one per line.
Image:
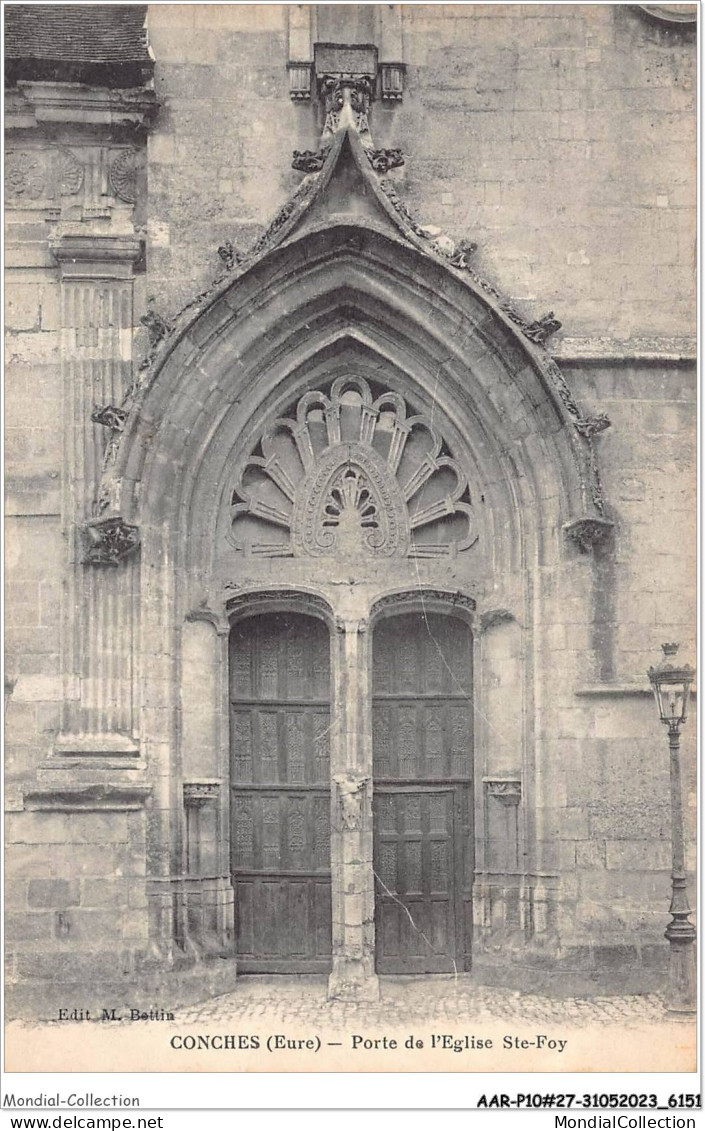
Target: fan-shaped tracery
column 348, row 473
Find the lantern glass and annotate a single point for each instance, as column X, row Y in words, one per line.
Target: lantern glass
column 671, row 686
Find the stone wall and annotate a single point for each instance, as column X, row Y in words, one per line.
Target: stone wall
column 611, row 755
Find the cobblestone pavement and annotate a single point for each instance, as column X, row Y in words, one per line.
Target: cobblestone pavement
column 421, row 999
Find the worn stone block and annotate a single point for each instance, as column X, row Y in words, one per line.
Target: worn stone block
column 81, row 925
column 590, row 854
column 52, row 893
column 29, row 927
column 22, row 306
column 105, row 892
column 635, row 855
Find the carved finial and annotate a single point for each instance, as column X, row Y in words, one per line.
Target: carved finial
column 589, row 532
column 542, row 329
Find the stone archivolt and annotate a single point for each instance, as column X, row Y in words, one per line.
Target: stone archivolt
column 349, row 475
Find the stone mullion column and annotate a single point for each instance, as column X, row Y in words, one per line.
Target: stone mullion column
column 353, row 976
column 99, row 607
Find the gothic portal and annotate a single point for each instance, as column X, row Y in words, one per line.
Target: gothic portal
column 384, row 460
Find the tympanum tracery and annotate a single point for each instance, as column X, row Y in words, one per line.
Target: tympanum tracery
column 348, row 473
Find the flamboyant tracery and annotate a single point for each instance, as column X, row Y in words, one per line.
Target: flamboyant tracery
column 351, row 474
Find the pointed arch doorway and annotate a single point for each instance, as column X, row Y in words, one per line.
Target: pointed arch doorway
column 422, row 793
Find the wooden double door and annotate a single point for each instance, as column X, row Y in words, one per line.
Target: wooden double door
column 280, row 804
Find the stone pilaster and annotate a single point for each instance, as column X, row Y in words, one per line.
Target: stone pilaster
column 353, row 976
column 99, row 622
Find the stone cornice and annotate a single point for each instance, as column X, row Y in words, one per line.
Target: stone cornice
column 617, row 690
column 96, row 256
column 37, row 103
column 119, row 745
column 595, row 351
column 88, row 797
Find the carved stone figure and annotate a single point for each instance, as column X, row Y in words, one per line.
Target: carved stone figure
column 309, row 160
column 382, row 160
column 350, row 788
column 593, row 425
column 463, row 250
column 109, row 416
column 229, row 254
column 543, row 328
column 157, row 327
column 347, row 102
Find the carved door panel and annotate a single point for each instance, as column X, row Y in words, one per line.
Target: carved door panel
column 280, row 812
column 422, row 749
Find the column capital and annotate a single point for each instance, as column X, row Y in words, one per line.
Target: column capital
column 351, row 625
column 90, row 256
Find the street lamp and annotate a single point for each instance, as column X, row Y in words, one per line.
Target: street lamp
column 671, row 686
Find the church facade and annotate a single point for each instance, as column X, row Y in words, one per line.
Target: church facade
column 335, row 562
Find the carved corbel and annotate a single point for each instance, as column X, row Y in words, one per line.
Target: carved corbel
column 505, row 790
column 589, row 532
column 199, row 793
column 205, row 614
column 493, row 617
column 343, row 624
column 108, row 540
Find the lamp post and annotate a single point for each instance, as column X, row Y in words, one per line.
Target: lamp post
column 671, row 686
